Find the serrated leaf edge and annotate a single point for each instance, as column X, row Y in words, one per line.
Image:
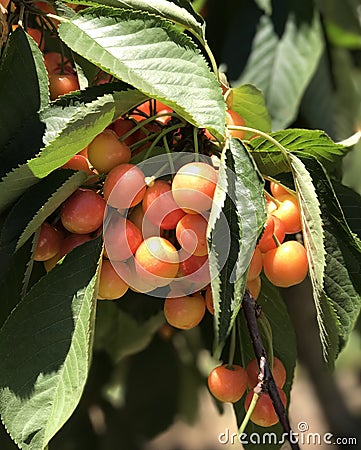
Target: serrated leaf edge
column 170, row 27
column 43, row 212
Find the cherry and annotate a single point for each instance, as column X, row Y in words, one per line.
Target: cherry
column 159, row 109
column 191, row 234
column 278, row 372
column 184, row 312
column 271, row 206
column 289, row 213
column 192, row 264
column 78, row 162
column 193, row 273
column 228, row 384
column 121, row 238
column 137, row 283
column 84, row 152
column 193, row 187
column 255, row 266
column 159, row 206
column 264, row 414
column 83, row 211
column 233, row 118
column 111, row 285
column 157, row 261
column 286, row 265
column 62, row 84
column 124, row 186
column 37, row 36
column 267, row 232
column 66, row 246
column 147, row 228
column 143, row 132
column 122, row 126
column 277, row 190
column 105, row 151
column 48, row 244
column 254, row 287
column 274, row 226
column 53, row 63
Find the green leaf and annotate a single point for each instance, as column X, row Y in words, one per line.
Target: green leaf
column 249, row 102
column 350, row 202
column 312, row 227
column 345, row 15
column 69, row 130
column 265, row 5
column 237, row 219
column 85, row 70
column 45, row 346
column 341, row 300
column 318, row 103
column 120, row 334
column 284, row 347
column 339, row 37
column 12, row 270
column 20, row 128
column 125, row 96
column 283, row 58
column 14, row 184
column 346, row 78
column 272, row 162
column 33, row 207
column 180, row 12
column 153, row 56
column 72, row 122
column 41, row 73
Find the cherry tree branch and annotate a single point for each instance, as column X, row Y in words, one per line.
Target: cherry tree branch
column 249, row 308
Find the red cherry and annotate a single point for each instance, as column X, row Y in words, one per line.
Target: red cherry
column 83, row 211
column 62, row 84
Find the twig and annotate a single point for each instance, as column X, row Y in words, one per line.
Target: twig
column 249, row 309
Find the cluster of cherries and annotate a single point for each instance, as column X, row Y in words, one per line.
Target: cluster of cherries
column 154, row 229
column 228, row 383
column 284, row 263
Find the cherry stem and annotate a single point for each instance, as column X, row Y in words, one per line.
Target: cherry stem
column 227, row 94
column 140, row 125
column 196, row 148
column 62, row 66
column 249, row 308
column 290, row 191
column 21, row 16
column 272, row 199
column 160, row 171
column 166, row 146
column 232, row 348
column 251, row 408
column 269, row 138
column 157, row 138
column 54, row 16
column 276, row 241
